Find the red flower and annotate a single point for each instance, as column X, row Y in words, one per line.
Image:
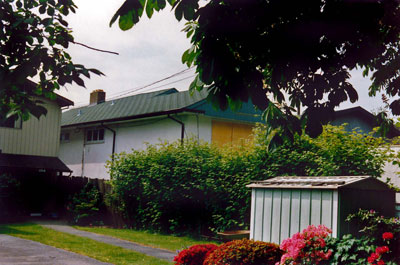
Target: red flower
column 372, row 258
column 387, row 236
column 380, row 262
column 381, row 250
column 194, row 255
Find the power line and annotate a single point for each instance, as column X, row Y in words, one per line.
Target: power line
column 167, row 83
column 83, row 103
column 132, row 90
column 126, row 92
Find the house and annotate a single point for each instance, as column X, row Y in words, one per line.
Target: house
column 29, row 153
column 33, row 145
column 91, row 134
column 359, row 118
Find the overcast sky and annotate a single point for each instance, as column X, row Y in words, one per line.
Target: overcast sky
column 150, row 51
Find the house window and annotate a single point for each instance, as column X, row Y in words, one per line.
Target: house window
column 64, row 137
column 12, row 122
column 95, row 136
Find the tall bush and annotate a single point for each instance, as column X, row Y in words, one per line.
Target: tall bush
column 197, row 187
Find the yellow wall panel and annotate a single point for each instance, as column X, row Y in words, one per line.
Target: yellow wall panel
column 224, row 132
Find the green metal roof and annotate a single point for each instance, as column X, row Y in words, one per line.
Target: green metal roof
column 137, row 106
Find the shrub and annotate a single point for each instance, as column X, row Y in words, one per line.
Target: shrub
column 197, row 187
column 307, row 247
column 349, row 250
column 86, row 206
column 377, row 243
column 245, row 252
column 194, row 255
column 383, row 233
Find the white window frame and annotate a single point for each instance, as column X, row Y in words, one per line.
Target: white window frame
column 92, row 133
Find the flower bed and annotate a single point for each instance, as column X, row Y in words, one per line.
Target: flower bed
column 378, row 244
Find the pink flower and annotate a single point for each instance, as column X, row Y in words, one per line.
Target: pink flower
column 306, row 246
column 387, row 236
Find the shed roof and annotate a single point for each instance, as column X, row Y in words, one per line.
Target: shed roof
column 329, row 182
column 136, row 106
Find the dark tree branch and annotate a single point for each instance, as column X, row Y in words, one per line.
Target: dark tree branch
column 86, row 46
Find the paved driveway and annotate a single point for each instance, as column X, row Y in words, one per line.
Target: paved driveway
column 17, row 251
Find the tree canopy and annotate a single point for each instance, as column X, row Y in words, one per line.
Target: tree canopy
column 284, row 55
column 33, row 40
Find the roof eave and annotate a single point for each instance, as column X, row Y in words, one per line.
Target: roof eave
column 134, row 117
column 63, row 102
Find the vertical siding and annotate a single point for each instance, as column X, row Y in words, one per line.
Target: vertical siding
column 266, row 232
column 252, row 216
column 277, row 214
column 37, row 137
column 258, row 214
column 305, row 209
column 285, row 214
column 335, row 213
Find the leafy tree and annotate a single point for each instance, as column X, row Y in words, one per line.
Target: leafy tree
column 299, row 52
column 33, row 39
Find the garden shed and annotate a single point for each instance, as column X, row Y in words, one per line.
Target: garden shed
column 283, row 206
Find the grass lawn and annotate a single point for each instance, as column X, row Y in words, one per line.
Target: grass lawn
column 146, row 238
column 80, row 245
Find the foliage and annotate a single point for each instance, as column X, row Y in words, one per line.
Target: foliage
column 182, row 188
column 379, row 241
column 245, row 252
column 197, row 187
column 86, row 206
column 382, row 230
column 87, row 247
column 306, row 247
column 34, row 36
column 194, row 255
column 373, row 225
column 336, row 152
column 379, row 257
column 246, row 49
column 349, row 250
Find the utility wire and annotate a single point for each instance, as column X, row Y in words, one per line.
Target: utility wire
column 132, row 90
column 126, row 92
column 84, row 103
column 176, row 81
column 173, row 82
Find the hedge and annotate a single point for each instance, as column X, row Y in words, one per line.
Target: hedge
column 197, row 187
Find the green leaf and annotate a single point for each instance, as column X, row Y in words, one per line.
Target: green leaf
column 95, row 71
column 50, row 11
column 128, row 20
column 161, row 4
column 179, row 12
column 79, row 81
column 150, row 8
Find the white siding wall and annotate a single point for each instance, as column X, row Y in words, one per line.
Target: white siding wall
column 37, row 137
column 129, row 135
column 277, row 214
column 392, row 172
